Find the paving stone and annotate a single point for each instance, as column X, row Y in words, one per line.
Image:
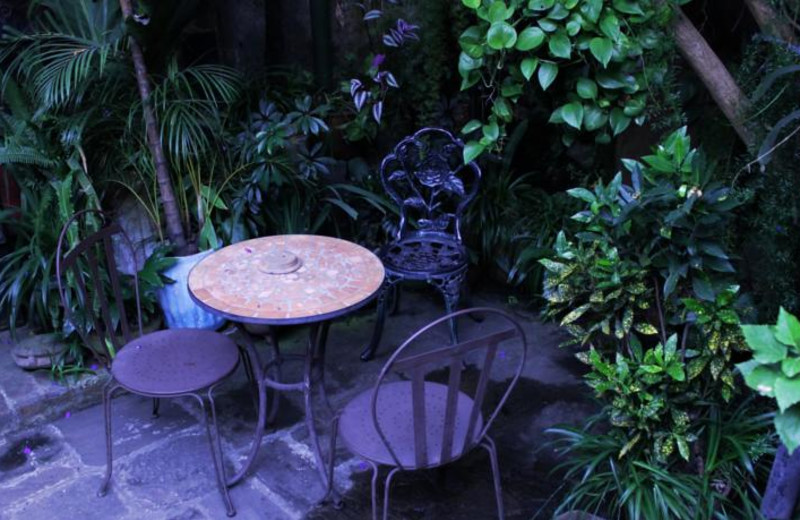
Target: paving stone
column 132, row 426
column 75, row 499
column 175, row 471
column 34, row 482
column 24, row 452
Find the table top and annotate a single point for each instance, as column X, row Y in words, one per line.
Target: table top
column 286, row 279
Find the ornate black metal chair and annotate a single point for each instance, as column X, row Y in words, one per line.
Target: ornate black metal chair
column 427, row 178
column 167, row 363
column 409, row 421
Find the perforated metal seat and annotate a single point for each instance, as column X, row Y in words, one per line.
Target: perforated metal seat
column 395, row 413
column 420, row 257
column 175, row 361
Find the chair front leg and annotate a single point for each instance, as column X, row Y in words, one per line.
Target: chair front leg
column 212, row 431
column 377, row 332
column 108, row 392
column 488, row 445
column 450, row 287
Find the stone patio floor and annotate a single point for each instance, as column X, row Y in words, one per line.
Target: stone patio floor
column 52, row 453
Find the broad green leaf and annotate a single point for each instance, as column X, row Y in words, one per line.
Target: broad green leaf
column 787, row 330
column 790, row 366
column 471, row 126
column 527, row 67
column 573, row 27
column 498, row 12
column 540, row 5
column 702, row 288
column 472, row 4
column 472, row 150
column 467, row 64
column 583, row 194
column 547, row 74
column 573, row 114
column 609, row 25
column 587, row 88
column 760, row 378
column 491, row 131
column 591, row 9
column 530, row 38
column 683, row 447
column 618, row 120
column 675, row 371
column 575, row 314
column 761, row 340
column 501, row 35
column 560, row 46
column 787, row 392
column 628, row 7
column 788, row 426
column 602, row 49
column 594, row 117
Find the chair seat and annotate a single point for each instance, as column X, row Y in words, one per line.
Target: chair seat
column 175, row 361
column 420, row 256
column 395, row 415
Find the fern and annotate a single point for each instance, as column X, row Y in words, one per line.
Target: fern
column 25, row 156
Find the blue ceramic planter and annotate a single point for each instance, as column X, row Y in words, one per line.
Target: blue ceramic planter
column 180, row 311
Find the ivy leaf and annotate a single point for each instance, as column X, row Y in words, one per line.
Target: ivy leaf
column 501, row 36
column 472, row 4
column 547, row 74
column 472, row 150
column 471, row 126
column 527, row 67
column 787, row 392
column 788, row 426
column 618, row 120
column 573, row 114
column 491, row 131
column 530, row 38
column 787, row 330
column 498, row 12
column 560, row 46
column 594, row 117
column 761, row 340
column 587, row 89
column 592, row 8
column 601, row 49
column 609, row 25
column 540, row 5
column 628, row 7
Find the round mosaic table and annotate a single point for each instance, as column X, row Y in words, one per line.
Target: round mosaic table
column 287, row 280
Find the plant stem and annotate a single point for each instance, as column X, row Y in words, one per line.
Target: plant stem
column 660, row 313
column 175, row 231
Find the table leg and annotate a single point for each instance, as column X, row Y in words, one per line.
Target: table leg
column 315, row 375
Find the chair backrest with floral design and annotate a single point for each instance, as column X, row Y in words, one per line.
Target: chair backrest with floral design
column 427, row 178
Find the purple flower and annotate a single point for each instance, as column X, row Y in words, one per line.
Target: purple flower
column 27, row 450
column 378, row 60
column 68, row 415
column 93, row 367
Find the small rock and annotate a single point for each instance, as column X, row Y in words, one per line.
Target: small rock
column 38, row 351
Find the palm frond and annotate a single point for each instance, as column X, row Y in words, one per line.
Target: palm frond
column 25, row 156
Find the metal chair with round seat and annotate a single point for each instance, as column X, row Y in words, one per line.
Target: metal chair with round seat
column 167, row 363
column 408, row 421
column 426, row 177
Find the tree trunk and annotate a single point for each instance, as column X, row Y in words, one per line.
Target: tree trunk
column 172, row 217
column 719, row 82
column 769, row 21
